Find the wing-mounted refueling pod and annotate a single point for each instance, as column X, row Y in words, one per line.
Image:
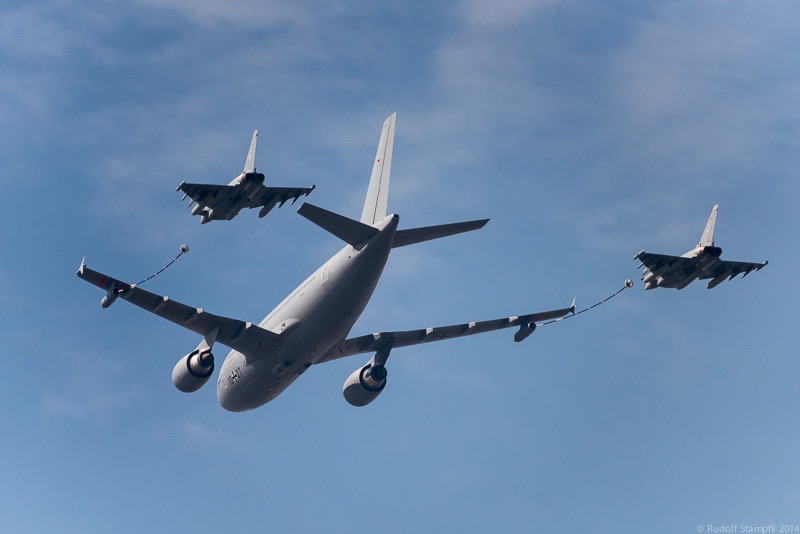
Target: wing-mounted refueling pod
column 527, row 324
column 110, row 297
column 524, row 331
column 113, row 288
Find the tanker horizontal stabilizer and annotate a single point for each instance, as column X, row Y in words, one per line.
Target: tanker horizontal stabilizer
column 348, row 230
column 419, row 235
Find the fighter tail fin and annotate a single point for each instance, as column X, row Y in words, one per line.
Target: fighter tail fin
column 707, row 239
column 250, row 162
column 378, row 192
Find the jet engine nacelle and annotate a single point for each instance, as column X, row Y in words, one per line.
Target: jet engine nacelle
column 193, row 371
column 365, row 384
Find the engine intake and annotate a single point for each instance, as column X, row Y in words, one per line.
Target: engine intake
column 193, row 371
column 365, row 384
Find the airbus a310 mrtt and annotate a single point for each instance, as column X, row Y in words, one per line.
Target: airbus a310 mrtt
column 224, row 202
column 310, row 326
column 702, row 262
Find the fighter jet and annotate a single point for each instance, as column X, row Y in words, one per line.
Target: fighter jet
column 223, row 202
column 311, row 325
column 702, row 262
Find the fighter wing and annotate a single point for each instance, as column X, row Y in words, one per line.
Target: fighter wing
column 220, row 198
column 391, row 340
column 733, row 268
column 247, row 338
column 659, row 262
column 269, row 196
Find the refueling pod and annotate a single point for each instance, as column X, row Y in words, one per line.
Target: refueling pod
column 109, row 299
column 524, row 331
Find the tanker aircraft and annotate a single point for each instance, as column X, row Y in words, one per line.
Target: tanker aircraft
column 223, row 202
column 311, row 325
column 702, row 262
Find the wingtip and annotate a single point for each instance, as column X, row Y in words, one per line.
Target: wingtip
column 574, row 304
column 81, row 267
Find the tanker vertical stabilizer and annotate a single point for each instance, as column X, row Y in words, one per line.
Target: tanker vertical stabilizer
column 378, row 191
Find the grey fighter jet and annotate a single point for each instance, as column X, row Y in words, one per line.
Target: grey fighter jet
column 311, row 325
column 702, row 262
column 223, row 202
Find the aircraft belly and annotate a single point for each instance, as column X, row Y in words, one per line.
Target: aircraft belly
column 243, row 387
column 323, row 322
column 319, row 314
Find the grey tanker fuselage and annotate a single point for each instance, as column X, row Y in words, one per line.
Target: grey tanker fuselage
column 315, row 316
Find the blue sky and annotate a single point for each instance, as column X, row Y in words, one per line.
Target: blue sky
column 586, row 131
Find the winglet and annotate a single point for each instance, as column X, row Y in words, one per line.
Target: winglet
column 82, row 267
column 574, row 300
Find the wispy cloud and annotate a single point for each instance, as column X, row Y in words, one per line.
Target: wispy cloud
column 93, row 389
column 684, row 101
